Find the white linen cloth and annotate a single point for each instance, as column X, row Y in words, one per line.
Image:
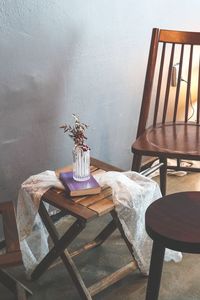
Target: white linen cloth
column 32, row 233
column 132, row 194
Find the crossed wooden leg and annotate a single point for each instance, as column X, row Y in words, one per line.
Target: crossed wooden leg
column 59, row 249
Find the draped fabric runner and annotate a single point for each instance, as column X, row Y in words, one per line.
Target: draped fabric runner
column 132, row 194
column 32, row 233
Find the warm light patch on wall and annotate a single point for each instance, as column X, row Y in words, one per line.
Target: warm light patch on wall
column 183, row 73
column 194, row 83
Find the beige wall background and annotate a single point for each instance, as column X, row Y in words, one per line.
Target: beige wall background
column 60, row 57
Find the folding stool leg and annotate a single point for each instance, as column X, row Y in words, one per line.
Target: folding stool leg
column 16, row 287
column 2, row 244
column 106, row 232
column 59, row 249
column 75, row 275
column 100, row 238
column 59, row 244
column 21, row 293
column 121, row 230
column 7, row 281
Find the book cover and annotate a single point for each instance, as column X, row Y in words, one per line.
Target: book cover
column 79, row 188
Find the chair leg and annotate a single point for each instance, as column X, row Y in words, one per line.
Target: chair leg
column 136, row 164
column 155, row 272
column 178, row 162
column 76, row 276
column 21, row 293
column 163, row 175
column 16, row 287
column 59, row 247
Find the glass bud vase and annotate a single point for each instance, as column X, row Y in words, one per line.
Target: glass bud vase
column 81, row 164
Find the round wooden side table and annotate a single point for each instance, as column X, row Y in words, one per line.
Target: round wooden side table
column 173, row 222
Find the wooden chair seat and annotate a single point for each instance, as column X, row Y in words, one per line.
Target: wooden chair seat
column 178, row 140
column 12, row 254
column 172, row 222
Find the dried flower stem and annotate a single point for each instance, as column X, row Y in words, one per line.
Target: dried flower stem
column 77, row 133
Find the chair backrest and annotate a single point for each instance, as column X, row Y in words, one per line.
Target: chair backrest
column 171, row 89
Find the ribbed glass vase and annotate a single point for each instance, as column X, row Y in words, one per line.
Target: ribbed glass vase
column 81, row 164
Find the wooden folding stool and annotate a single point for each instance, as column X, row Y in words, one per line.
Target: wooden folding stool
column 84, row 209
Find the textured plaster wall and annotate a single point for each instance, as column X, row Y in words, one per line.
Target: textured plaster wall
column 60, row 57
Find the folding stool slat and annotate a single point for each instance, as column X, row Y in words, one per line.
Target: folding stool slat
column 104, row 206
column 96, row 198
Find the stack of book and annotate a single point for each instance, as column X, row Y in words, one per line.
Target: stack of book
column 79, row 188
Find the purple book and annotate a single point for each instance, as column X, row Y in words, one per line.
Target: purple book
column 78, row 188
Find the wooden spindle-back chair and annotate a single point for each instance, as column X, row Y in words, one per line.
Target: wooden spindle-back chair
column 169, row 122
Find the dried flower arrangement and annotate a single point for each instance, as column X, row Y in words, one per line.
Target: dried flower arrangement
column 77, row 133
